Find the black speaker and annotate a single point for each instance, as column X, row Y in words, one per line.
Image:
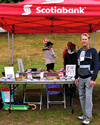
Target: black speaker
column 3, row 73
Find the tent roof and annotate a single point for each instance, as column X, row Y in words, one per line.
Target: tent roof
column 66, row 2
column 51, row 16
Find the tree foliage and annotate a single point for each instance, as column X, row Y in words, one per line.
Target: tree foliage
column 10, row 1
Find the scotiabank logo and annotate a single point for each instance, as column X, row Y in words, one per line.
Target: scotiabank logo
column 60, row 10
column 27, row 9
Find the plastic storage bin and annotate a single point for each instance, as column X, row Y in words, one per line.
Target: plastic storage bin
column 5, row 92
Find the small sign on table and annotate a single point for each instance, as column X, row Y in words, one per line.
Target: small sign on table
column 70, row 70
column 29, row 74
column 9, row 72
column 61, row 74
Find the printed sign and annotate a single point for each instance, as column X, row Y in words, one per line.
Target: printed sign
column 9, row 72
column 29, row 74
column 53, row 9
column 7, row 96
column 61, row 72
column 70, row 70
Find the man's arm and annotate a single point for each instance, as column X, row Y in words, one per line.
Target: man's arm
column 76, row 74
column 96, row 65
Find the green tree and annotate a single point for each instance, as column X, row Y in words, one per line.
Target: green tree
column 10, row 1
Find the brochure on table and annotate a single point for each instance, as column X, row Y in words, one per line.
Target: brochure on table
column 29, row 74
column 9, row 72
column 61, row 72
column 70, row 70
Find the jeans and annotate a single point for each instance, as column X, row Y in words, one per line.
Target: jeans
column 85, row 96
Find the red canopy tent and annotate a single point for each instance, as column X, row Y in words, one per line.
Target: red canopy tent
column 50, row 16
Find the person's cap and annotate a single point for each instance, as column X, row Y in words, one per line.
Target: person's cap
column 49, row 43
column 69, row 44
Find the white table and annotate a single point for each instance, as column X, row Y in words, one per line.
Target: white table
column 25, row 82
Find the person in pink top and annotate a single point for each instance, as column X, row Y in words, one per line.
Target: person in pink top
column 49, row 56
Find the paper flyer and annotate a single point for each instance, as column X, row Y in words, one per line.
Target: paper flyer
column 70, row 70
column 61, row 72
column 9, row 72
column 29, row 74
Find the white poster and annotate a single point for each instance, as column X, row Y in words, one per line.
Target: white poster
column 9, row 72
column 70, row 70
column 7, row 96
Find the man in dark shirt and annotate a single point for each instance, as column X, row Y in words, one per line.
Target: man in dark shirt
column 86, row 73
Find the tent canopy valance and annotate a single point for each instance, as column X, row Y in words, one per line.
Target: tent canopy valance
column 51, row 16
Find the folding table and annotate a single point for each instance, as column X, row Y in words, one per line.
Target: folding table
column 25, row 82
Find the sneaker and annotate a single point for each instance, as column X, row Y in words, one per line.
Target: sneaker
column 86, row 121
column 81, row 117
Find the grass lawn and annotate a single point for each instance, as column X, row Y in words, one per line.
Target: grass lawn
column 55, row 115
column 29, row 48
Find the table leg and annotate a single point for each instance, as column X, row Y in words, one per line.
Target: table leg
column 10, row 100
column 72, row 106
column 24, row 88
column 47, row 100
column 16, row 86
column 13, row 93
column 71, row 98
column 64, row 98
column 70, row 93
column 41, row 86
column 41, row 93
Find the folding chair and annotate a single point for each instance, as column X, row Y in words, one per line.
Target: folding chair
column 39, row 91
column 54, row 89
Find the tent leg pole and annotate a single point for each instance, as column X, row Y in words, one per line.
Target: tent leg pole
column 12, row 49
column 9, row 49
column 94, row 39
column 91, row 40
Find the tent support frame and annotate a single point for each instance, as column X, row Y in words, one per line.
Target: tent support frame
column 9, row 49
column 94, row 38
column 12, row 46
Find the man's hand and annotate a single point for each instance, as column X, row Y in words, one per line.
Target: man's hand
column 92, row 83
column 76, row 82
